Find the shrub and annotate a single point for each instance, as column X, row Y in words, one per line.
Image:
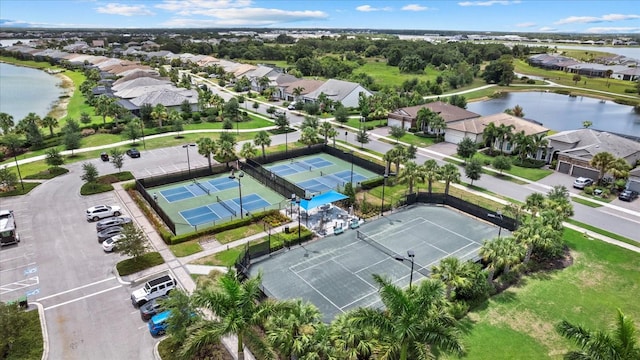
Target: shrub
column 413, row 130
column 530, row 163
column 588, row 190
column 372, row 183
column 87, row 132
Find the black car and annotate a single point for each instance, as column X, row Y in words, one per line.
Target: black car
column 104, row 156
column 628, row 195
column 151, row 308
column 109, row 232
column 133, row 152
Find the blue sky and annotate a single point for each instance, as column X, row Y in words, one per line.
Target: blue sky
column 595, row 16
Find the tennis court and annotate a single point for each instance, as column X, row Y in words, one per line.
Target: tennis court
column 212, row 200
column 335, row 273
column 320, row 173
column 222, row 209
column 198, row 188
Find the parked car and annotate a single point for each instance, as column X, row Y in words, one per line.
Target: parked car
column 104, row 156
column 98, row 212
column 109, row 232
column 582, row 182
column 158, row 323
column 153, row 289
column 113, row 221
column 148, row 310
column 110, row 244
column 133, row 153
column 628, row 195
column 291, row 106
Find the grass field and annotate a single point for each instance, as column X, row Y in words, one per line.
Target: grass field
column 518, row 323
column 391, row 75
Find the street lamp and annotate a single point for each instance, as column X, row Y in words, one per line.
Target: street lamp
column 498, row 215
column 186, row 146
column 240, row 176
column 293, row 200
column 410, row 257
column 345, row 136
column 384, row 183
column 142, row 132
column 299, row 213
column 286, row 143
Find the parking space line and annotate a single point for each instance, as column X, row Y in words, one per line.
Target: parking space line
column 18, row 267
column 82, row 297
column 25, row 256
column 77, row 288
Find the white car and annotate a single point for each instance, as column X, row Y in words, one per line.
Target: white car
column 98, row 212
column 110, row 244
column 582, row 182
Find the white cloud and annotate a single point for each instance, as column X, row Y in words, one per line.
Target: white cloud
column 369, row 8
column 594, row 19
column 547, row 29
column 613, row 30
column 414, row 7
column 245, row 17
column 526, row 25
column 124, row 10
column 185, row 6
column 488, row 3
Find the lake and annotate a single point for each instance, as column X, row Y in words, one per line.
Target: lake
column 26, row 90
column 562, row 112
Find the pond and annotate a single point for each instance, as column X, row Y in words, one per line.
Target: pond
column 562, row 112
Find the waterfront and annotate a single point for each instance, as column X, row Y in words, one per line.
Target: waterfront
column 26, row 90
column 562, row 112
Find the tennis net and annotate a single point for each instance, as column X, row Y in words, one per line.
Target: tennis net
column 226, row 206
column 202, row 187
column 301, row 165
column 362, row 236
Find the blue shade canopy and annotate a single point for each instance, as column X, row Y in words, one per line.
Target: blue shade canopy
column 323, row 199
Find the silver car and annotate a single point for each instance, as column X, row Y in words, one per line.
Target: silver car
column 109, row 232
column 110, row 222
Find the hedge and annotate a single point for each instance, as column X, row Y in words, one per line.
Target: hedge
column 372, row 183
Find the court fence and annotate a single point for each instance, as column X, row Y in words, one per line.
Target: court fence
column 143, row 184
column 464, row 206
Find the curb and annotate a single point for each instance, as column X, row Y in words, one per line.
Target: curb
column 45, row 334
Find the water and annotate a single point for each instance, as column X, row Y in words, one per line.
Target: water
column 562, row 112
column 26, row 90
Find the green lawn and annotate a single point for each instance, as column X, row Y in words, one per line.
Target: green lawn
column 532, row 174
column 518, row 324
column 225, row 258
column 228, row 236
column 186, row 248
column 391, row 75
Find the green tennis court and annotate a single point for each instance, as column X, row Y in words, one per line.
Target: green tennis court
column 212, row 200
column 320, row 172
column 335, row 273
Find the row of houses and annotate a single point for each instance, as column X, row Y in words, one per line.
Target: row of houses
column 572, row 150
column 619, row 67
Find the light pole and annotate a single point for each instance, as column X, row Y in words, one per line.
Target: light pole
column 186, row 146
column 240, row 176
column 410, row 257
column 498, row 215
column 142, row 132
column 286, row 143
column 293, row 200
column 384, row 183
column 299, row 213
column 353, row 187
column 345, row 136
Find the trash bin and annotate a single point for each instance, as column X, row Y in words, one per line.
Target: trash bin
column 286, row 229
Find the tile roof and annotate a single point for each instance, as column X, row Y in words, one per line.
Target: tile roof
column 478, row 124
column 447, row 111
column 588, row 142
column 308, row 85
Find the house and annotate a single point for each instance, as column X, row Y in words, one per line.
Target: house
column 344, row 92
column 406, row 117
column 306, row 86
column 634, row 180
column 574, row 149
column 474, row 129
column 172, row 99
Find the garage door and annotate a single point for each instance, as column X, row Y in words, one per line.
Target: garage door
column 564, row 167
column 453, row 137
column 584, row 172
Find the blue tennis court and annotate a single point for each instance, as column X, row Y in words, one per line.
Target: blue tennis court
column 218, row 210
column 298, row 166
column 223, row 183
column 178, row 193
column 283, row 170
column 318, row 162
column 346, row 176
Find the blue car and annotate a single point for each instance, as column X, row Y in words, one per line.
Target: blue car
column 158, row 323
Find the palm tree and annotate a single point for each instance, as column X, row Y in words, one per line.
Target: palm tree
column 159, row 114
column 523, row 144
column 324, row 130
column 620, row 344
column 539, row 142
column 399, row 156
column 297, row 91
column 226, row 151
column 504, row 134
column 248, row 151
column 238, row 311
column 620, row 169
column 449, row 173
column 602, row 161
column 333, row 133
column 102, row 106
column 496, row 253
column 49, row 122
column 263, row 82
column 290, row 331
column 489, row 135
column 351, row 341
column 309, row 136
column 516, row 111
column 438, row 125
column 452, row 272
column 422, row 119
column 388, row 159
column 411, row 173
column 262, row 139
column 534, row 203
column 413, row 322
column 431, row 172
column 535, row 233
column 207, row 148
column 32, row 119
column 6, row 123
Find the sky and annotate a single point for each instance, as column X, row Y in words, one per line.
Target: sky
column 512, row 16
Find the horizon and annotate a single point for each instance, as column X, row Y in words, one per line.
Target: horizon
column 500, row 16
